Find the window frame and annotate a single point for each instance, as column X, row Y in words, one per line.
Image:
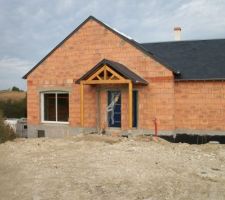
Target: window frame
column 56, row 107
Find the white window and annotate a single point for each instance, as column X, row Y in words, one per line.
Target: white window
column 55, row 107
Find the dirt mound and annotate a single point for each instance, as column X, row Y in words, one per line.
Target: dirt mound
column 143, row 138
column 90, row 167
column 98, row 138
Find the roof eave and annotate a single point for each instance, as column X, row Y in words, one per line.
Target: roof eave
column 198, row 79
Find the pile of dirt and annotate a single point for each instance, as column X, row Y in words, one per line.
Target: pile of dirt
column 98, row 138
column 151, row 138
column 101, row 167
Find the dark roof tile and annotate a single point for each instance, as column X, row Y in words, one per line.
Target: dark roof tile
column 195, row 60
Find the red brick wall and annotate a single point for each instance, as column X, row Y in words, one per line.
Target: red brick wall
column 79, row 54
column 200, row 105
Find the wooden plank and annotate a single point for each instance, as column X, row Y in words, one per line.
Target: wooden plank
column 96, row 74
column 114, row 73
column 99, row 78
column 105, row 69
column 105, row 72
column 82, row 104
column 106, row 82
column 130, row 90
column 111, row 77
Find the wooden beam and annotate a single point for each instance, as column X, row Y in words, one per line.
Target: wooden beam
column 114, row 73
column 96, row 74
column 99, row 78
column 130, row 91
column 82, row 104
column 105, row 69
column 105, row 72
column 111, row 77
column 106, row 82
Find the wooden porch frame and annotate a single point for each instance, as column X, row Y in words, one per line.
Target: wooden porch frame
column 106, row 80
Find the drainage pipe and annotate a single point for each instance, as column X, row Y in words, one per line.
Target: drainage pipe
column 155, row 127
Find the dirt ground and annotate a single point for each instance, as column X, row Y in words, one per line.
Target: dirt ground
column 100, row 167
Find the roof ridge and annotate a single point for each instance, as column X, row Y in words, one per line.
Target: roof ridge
column 182, row 41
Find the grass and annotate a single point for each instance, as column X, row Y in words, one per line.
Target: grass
column 13, row 104
column 11, row 95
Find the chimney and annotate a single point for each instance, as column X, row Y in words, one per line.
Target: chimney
column 177, row 32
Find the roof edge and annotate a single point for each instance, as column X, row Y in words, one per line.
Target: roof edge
column 58, row 45
column 203, row 79
column 181, row 41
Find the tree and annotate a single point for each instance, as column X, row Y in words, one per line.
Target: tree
column 14, row 109
column 14, row 88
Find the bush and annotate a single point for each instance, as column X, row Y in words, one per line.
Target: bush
column 14, row 88
column 6, row 133
column 14, row 109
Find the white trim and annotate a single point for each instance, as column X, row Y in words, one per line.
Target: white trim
column 54, row 122
column 56, row 107
column 42, row 107
column 55, row 92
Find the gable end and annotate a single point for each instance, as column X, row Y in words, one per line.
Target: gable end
column 130, row 41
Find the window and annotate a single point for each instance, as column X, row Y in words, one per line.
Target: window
column 55, row 107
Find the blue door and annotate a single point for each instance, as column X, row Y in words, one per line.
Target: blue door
column 114, row 109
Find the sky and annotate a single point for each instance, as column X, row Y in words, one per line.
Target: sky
column 29, row 29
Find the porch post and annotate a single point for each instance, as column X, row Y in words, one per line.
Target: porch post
column 81, row 104
column 130, row 104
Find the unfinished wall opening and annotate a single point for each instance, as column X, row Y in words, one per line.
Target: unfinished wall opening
column 41, row 133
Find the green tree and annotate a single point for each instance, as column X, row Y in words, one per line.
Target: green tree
column 14, row 88
column 14, row 109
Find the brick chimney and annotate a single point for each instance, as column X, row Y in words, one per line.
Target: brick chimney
column 177, row 33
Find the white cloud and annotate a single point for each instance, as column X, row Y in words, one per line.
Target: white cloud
column 14, row 63
column 202, row 19
column 12, row 70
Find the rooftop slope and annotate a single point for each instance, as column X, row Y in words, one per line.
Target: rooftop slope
column 195, row 60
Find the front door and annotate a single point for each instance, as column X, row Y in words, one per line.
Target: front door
column 114, row 109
